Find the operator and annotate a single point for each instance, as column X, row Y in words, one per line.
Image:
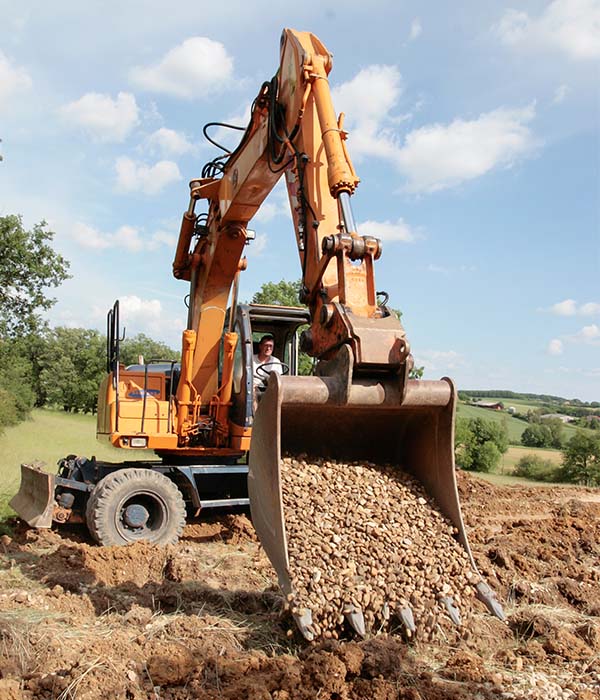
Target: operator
column 265, row 357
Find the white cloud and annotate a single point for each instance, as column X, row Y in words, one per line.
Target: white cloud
column 258, row 246
column 440, row 360
column 560, row 93
column 388, row 230
column 435, row 156
column 170, row 142
column 439, row 156
column 415, row 29
column 367, row 100
column 90, row 237
column 267, row 212
column 555, row 347
column 133, row 176
column 129, row 238
column 106, row 119
column 589, row 333
column 134, row 306
column 589, row 309
column 569, row 307
column 13, row 79
column 149, row 316
column 192, row 69
column 159, row 238
column 569, row 26
column 126, row 237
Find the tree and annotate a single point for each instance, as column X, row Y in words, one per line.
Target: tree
column 537, row 435
column 464, row 443
column 17, row 394
column 28, row 267
column 141, row 345
column 581, row 459
column 282, row 293
column 555, row 425
column 490, row 431
column 73, row 365
column 479, row 444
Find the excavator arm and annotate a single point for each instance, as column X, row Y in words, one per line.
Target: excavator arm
column 293, row 131
column 360, row 405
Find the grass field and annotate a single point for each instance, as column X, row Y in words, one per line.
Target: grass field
column 522, row 405
column 510, row 480
column 513, row 455
column 48, row 436
column 514, row 425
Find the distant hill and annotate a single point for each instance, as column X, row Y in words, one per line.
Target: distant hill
column 548, row 399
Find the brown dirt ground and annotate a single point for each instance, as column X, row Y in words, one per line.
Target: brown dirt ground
column 204, row 619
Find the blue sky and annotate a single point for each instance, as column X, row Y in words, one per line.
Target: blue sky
column 474, row 127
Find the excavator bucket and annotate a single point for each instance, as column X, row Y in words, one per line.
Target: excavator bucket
column 370, row 421
column 34, row 502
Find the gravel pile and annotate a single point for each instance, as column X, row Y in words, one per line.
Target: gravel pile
column 368, row 537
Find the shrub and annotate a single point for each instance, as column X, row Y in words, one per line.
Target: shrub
column 534, row 467
column 537, row 435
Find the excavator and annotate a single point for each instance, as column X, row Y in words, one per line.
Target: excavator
column 201, row 417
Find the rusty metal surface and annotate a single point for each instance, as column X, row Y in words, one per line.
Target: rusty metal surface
column 264, row 482
column 34, row 502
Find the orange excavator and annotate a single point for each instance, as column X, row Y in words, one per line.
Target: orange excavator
column 200, row 416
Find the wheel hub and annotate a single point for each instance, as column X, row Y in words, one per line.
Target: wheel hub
column 136, row 515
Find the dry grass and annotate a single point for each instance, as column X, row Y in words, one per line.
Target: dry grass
column 71, row 690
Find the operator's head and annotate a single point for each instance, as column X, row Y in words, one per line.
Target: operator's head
column 266, row 344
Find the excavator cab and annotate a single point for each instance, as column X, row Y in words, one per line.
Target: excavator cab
column 252, row 321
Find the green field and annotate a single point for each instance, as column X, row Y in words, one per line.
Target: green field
column 510, row 458
column 514, row 425
column 510, row 480
column 48, row 436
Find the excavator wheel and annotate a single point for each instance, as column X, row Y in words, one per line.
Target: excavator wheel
column 131, row 505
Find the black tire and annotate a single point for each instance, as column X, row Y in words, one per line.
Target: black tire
column 131, row 505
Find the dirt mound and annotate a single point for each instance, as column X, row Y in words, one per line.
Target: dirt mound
column 204, row 619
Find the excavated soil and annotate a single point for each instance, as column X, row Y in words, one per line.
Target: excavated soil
column 204, row 619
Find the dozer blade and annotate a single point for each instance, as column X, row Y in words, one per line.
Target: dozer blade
column 34, row 502
column 367, row 419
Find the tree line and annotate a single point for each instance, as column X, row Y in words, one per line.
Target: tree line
column 40, row 366
column 544, row 398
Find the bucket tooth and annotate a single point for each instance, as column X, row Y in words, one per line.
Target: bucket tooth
column 487, row 596
column 356, row 619
column 408, row 620
column 304, row 621
column 452, row 610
